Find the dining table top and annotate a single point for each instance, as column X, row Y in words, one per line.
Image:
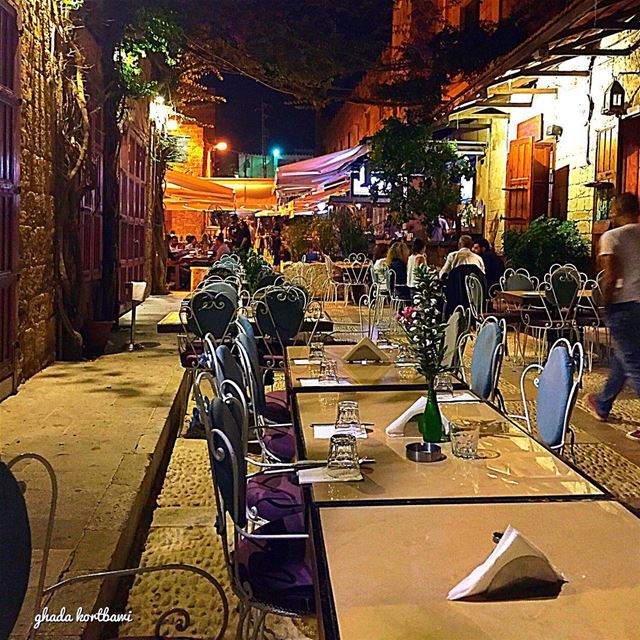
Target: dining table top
column 361, row 375
column 529, row 296
column 511, row 464
column 387, row 571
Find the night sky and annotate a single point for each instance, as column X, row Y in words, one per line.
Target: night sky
column 238, row 121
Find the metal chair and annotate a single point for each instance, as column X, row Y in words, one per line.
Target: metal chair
column 270, row 420
column 15, row 554
column 557, row 383
column 270, row 495
column 518, row 280
column 486, row 362
column 267, row 565
column 456, row 335
column 354, row 273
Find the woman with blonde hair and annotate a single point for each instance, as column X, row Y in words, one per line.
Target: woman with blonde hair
column 397, row 261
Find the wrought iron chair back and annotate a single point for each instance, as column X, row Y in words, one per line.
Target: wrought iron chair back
column 279, row 314
column 180, row 616
column 518, row 280
column 557, row 383
column 476, row 296
column 209, row 312
column 486, row 362
column 561, row 292
column 457, row 333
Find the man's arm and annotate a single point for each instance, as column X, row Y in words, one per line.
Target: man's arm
column 609, row 280
column 447, row 266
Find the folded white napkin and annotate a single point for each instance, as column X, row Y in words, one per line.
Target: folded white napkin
column 397, row 427
column 365, row 350
column 315, row 382
column 301, row 361
column 320, row 474
column 137, row 291
column 513, row 560
column 464, row 397
column 325, row 431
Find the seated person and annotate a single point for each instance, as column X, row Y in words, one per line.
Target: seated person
column 463, row 255
column 397, row 261
column 220, row 247
column 313, row 253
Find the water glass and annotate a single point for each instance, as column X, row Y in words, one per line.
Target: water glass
column 316, row 351
column 464, row 439
column 342, row 461
column 348, row 418
column 443, row 384
column 328, row 371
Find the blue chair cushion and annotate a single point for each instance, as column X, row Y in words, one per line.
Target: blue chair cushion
column 482, row 370
column 274, row 496
column 229, row 365
column 554, row 391
column 278, row 571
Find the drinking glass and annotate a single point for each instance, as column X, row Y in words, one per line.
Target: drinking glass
column 342, row 461
column 348, row 418
column 328, row 371
column 316, row 351
column 464, row 439
column 443, row 384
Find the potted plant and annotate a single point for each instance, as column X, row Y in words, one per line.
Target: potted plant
column 425, row 331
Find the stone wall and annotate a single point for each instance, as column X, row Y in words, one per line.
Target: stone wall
column 576, row 147
column 35, row 289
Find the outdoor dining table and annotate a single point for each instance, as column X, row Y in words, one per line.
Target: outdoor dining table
column 384, row 571
column 522, row 298
column 511, row 464
column 359, row 376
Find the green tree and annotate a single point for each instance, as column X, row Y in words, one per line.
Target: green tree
column 420, row 175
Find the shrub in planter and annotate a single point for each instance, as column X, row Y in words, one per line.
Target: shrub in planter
column 547, row 241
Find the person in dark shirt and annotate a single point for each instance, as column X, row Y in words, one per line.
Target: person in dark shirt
column 493, row 265
column 397, row 261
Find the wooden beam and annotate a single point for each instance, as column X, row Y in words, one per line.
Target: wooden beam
column 498, row 91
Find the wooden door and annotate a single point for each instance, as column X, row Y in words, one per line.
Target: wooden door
column 527, row 185
column 543, row 153
column 630, row 138
column 9, row 194
column 519, row 184
column 133, row 207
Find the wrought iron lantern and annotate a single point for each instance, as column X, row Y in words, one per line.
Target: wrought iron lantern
column 614, row 100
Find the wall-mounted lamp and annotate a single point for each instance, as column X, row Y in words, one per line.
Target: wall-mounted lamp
column 614, row 100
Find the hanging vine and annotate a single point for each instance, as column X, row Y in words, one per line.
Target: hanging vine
column 74, row 176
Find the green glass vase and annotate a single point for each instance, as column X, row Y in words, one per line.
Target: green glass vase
column 430, row 422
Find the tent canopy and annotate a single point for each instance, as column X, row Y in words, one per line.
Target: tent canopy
column 317, row 174
column 183, row 189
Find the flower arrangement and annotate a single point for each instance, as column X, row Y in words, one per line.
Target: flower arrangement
column 422, row 322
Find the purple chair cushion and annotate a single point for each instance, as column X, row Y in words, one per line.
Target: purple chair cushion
column 275, row 411
column 274, row 496
column 279, row 397
column 278, row 571
column 281, row 442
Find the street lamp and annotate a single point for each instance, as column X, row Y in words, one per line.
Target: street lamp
column 276, row 153
column 221, row 146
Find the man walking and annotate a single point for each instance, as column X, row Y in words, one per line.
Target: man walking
column 620, row 286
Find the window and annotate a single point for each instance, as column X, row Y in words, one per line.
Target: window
column 470, row 15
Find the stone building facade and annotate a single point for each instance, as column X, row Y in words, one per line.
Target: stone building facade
column 549, row 146
column 33, row 311
column 30, row 86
